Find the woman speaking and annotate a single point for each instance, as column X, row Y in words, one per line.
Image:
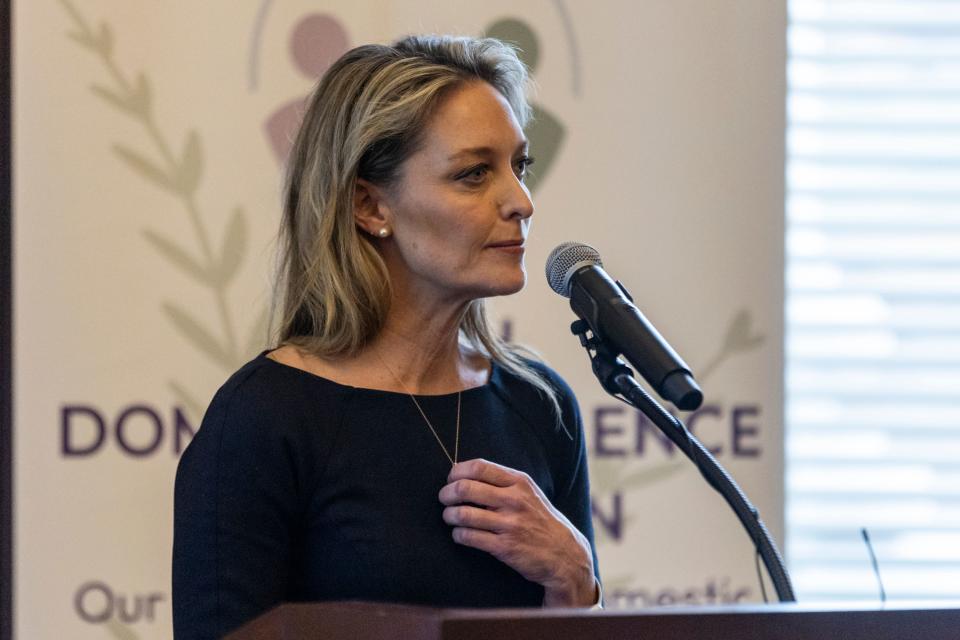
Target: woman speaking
column 392, row 447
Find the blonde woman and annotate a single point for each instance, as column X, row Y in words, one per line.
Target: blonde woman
column 392, row 447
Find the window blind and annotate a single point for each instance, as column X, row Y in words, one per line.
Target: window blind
column 873, row 298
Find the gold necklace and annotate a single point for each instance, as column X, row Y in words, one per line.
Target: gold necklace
column 456, row 445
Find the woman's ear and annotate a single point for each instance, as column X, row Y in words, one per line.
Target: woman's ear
column 369, row 209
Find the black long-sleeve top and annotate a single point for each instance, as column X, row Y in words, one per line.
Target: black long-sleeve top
column 297, row 488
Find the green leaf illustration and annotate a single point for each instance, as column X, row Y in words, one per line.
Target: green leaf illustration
column 191, row 164
column 121, row 102
column 181, row 174
column 178, row 256
column 135, row 102
column 139, row 99
column 105, row 40
column 258, row 334
column 84, row 38
column 85, row 35
column 146, row 168
column 651, row 475
column 201, row 338
column 740, row 336
column 233, row 248
column 608, row 476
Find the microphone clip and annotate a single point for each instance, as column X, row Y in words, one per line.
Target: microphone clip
column 606, row 364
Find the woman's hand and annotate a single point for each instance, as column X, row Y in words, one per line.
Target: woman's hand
column 502, row 511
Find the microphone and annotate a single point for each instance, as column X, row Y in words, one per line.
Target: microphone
column 574, row 270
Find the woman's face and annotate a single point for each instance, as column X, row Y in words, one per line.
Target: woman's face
column 460, row 211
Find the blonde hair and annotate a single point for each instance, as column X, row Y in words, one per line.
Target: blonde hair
column 364, row 120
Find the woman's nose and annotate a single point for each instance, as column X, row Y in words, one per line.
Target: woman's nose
column 515, row 199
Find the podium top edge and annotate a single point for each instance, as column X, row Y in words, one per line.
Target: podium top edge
column 392, row 609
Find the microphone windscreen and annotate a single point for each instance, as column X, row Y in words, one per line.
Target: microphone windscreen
column 564, row 261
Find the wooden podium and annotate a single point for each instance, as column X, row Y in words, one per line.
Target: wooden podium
column 372, row 621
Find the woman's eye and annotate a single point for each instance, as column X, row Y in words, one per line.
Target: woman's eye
column 522, row 165
column 475, row 174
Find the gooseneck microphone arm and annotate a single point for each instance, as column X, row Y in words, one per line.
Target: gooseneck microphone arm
column 611, row 325
column 617, row 379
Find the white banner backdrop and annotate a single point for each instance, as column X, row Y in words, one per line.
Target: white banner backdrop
column 147, row 146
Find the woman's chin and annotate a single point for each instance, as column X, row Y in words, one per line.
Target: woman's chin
column 508, row 286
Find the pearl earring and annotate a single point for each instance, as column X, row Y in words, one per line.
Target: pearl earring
column 384, row 232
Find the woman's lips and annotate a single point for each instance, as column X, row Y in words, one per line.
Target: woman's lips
column 510, row 246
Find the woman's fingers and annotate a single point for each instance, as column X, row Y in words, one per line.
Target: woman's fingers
column 502, row 511
column 484, row 471
column 475, row 518
column 478, row 539
column 467, row 491
column 490, row 485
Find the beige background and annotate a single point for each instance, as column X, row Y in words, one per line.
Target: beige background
column 672, row 167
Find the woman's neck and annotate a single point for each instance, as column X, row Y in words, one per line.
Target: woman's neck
column 417, row 351
column 420, row 348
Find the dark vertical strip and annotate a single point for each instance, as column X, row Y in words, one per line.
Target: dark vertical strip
column 6, row 324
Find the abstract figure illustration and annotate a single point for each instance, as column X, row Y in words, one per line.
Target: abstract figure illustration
column 316, row 42
column 545, row 131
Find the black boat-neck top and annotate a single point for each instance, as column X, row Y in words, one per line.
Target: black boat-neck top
column 298, row 488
